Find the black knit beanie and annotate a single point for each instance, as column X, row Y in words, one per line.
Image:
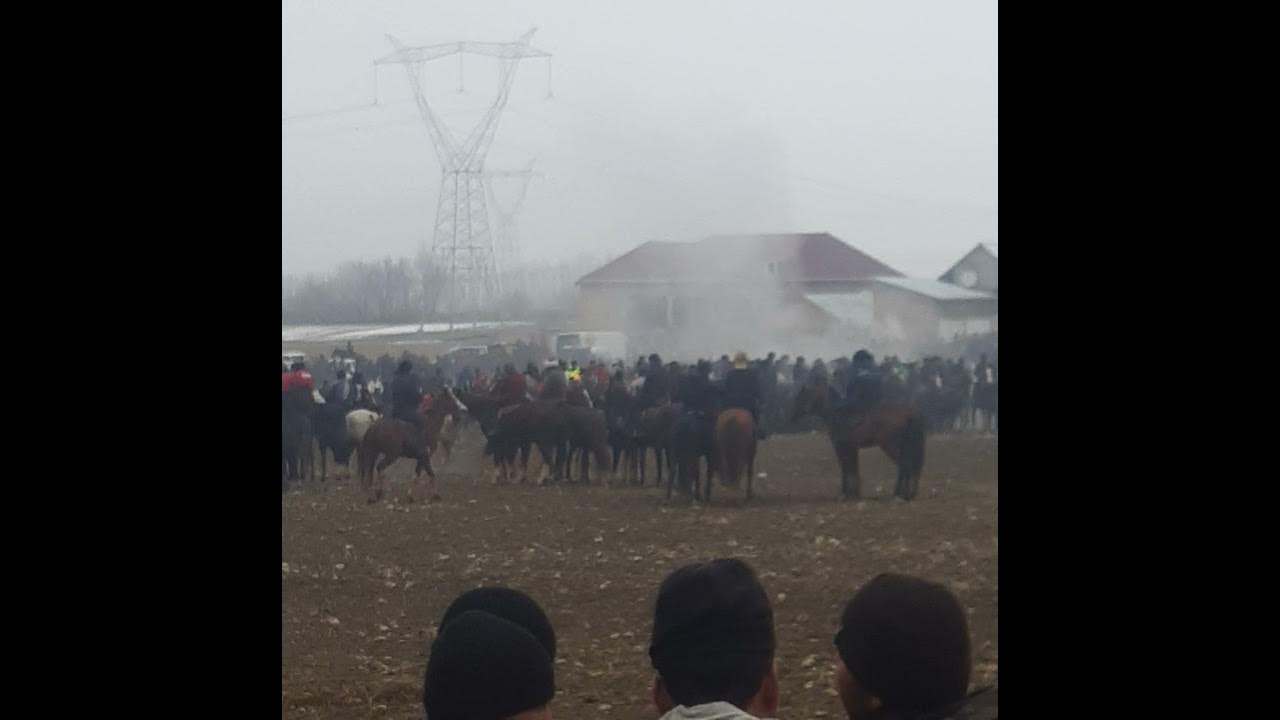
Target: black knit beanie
column 485, row 668
column 709, row 610
column 508, row 604
column 906, row 640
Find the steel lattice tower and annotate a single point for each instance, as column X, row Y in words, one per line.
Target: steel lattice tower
column 463, row 240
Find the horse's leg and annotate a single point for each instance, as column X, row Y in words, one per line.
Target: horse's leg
column 707, row 484
column 546, row 450
column 842, row 459
column 424, row 464
column 751, row 465
column 671, row 480
column 586, row 475
column 380, row 483
column 324, row 463
column 855, row 476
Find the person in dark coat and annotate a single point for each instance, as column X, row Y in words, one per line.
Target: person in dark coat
column 866, row 386
column 742, row 389
column 656, row 387
column 800, row 372
column 406, row 397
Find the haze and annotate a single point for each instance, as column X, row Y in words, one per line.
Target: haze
column 876, row 121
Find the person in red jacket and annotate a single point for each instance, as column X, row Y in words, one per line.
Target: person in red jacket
column 513, row 388
column 296, row 377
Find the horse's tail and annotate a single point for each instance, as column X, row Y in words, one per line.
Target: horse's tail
column 912, row 459
column 367, row 456
column 733, row 435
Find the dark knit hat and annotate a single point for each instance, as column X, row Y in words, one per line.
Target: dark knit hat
column 509, row 604
column 906, row 640
column 708, row 610
column 485, row 668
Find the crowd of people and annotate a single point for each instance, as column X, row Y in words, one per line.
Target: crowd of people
column 954, row 393
column 902, row 652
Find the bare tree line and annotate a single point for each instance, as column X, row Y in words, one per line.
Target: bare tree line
column 409, row 290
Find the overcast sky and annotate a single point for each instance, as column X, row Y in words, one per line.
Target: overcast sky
column 876, row 121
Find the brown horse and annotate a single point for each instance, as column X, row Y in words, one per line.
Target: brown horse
column 540, row 422
column 394, row 439
column 735, row 448
column 897, row 427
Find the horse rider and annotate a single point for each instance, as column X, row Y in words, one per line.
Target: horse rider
column 360, row 397
column 819, row 373
column 296, row 377
column 340, row 391
column 699, row 401
column 296, row 388
column 656, row 388
column 768, row 380
column 513, row 389
column 435, row 385
column 742, row 390
column 533, row 378
column 799, row 372
column 555, row 385
column 464, row 378
column 406, row 397
column 866, row 385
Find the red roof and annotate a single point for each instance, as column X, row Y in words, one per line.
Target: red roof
column 806, row 257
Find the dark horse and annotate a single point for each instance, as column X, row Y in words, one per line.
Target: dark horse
column 735, row 437
column 588, row 435
column 296, row 433
column 652, row 429
column 692, row 440
column 897, row 427
column 537, row 422
column 330, row 423
column 986, row 397
column 394, row 439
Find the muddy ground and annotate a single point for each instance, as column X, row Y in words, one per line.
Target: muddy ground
column 363, row 586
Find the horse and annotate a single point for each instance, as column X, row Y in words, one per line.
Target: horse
column 330, row 423
column 618, row 408
column 358, row 422
column 296, row 433
column 296, row 459
column 896, row 427
column 482, row 408
column 577, row 396
column 692, row 440
column 395, row 439
column 588, row 435
column 735, row 444
column 541, row 422
column 652, row 430
column 986, row 397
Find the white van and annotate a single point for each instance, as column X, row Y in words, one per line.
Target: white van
column 604, row 344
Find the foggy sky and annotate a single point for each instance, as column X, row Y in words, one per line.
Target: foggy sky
column 876, row 121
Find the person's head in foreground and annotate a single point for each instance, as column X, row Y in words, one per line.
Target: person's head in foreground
column 510, row 605
column 903, row 647
column 483, row 667
column 713, row 644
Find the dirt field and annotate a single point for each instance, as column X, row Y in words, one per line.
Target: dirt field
column 363, row 586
